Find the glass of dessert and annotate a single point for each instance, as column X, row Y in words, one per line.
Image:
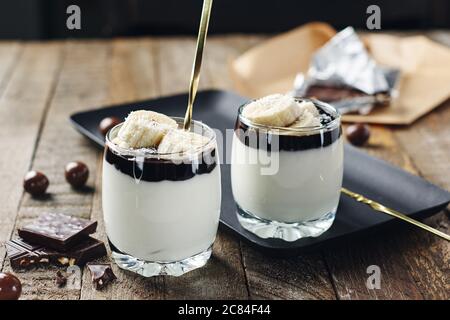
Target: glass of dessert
column 161, row 194
column 287, row 166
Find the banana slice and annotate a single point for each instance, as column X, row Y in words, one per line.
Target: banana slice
column 144, row 129
column 274, row 110
column 180, row 141
column 309, row 117
column 306, row 120
column 310, row 107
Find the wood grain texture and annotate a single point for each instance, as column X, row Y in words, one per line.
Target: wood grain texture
column 41, row 84
column 174, row 58
column 82, row 83
column 428, row 144
column 220, row 50
column 393, row 249
column 133, row 70
column 349, row 261
column 10, row 53
column 133, row 77
column 303, row 277
column 22, row 107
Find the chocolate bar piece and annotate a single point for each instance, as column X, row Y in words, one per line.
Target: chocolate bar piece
column 330, row 94
column 57, row 231
column 101, row 274
column 82, row 253
column 24, row 255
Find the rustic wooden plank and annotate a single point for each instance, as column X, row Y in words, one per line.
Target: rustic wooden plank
column 349, row 261
column 219, row 52
column 133, row 70
column 428, row 144
column 440, row 36
column 83, row 82
column 9, row 55
column 133, row 77
column 301, row 277
column 174, row 58
column 393, row 249
column 414, row 264
column 21, row 111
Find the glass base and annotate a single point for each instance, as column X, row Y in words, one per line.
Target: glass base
column 157, row 268
column 264, row 228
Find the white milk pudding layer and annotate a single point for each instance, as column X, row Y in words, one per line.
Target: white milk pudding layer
column 161, row 221
column 306, row 186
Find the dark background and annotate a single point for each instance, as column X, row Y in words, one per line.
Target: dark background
column 46, row 19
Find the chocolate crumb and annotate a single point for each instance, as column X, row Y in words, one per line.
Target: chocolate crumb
column 61, row 280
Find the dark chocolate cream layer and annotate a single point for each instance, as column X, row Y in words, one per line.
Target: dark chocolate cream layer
column 260, row 139
column 155, row 170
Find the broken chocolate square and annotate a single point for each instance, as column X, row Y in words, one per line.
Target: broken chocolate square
column 25, row 255
column 101, row 274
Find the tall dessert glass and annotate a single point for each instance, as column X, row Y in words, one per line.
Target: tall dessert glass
column 286, row 181
column 161, row 211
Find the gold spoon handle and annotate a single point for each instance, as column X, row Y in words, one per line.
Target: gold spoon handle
column 195, row 74
column 379, row 207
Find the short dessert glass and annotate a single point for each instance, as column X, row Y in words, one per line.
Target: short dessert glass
column 161, row 211
column 286, row 181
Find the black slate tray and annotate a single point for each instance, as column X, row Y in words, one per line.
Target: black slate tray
column 364, row 174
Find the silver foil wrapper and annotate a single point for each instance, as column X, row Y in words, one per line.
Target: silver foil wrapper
column 345, row 62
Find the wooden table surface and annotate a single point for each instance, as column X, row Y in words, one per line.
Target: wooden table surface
column 42, row 83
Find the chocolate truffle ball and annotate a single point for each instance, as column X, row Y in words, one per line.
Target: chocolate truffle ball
column 35, row 183
column 76, row 173
column 358, row 134
column 10, row 286
column 107, row 124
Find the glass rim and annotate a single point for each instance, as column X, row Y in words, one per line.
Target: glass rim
column 307, row 129
column 150, row 153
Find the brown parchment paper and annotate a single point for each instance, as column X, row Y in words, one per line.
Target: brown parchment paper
column 271, row 67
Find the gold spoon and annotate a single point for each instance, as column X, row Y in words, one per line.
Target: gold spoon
column 379, row 207
column 195, row 74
